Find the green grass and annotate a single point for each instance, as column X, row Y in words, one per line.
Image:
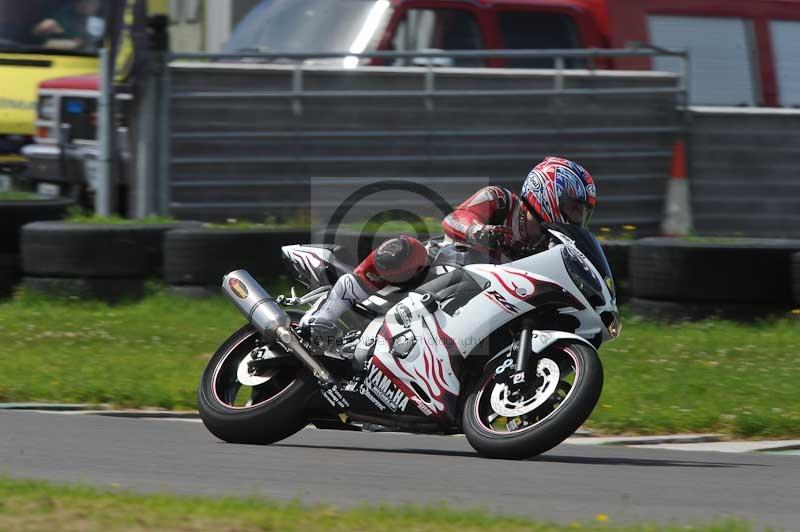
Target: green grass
column 18, row 196
column 721, row 240
column 148, row 353
column 37, row 506
column 625, row 232
column 300, row 221
column 79, row 216
column 432, row 225
column 700, row 377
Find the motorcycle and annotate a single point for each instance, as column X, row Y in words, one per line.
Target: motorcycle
column 506, row 354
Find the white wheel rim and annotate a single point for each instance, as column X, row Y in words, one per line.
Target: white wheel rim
column 243, row 374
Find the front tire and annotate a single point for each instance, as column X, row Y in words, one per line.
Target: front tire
column 268, row 412
column 500, row 425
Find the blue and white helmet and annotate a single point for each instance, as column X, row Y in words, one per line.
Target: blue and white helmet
column 559, row 190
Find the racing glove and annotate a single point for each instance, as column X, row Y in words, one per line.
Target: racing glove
column 490, row 236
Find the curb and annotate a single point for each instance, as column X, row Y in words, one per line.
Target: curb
column 90, row 410
column 648, row 440
column 143, row 414
column 730, row 446
column 47, row 407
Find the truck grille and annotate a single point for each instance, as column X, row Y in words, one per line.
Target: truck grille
column 81, row 114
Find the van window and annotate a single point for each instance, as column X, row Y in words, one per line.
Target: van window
column 721, row 53
column 311, row 26
column 522, row 30
column 51, row 26
column 785, row 36
column 438, row 29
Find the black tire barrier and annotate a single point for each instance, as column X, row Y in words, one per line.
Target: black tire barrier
column 108, row 289
column 200, row 256
column 9, row 273
column 653, row 309
column 618, row 256
column 15, row 214
column 746, row 271
column 63, row 249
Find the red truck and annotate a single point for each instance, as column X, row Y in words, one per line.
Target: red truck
column 742, row 51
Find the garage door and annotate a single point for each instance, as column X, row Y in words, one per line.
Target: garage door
column 785, row 39
column 722, row 70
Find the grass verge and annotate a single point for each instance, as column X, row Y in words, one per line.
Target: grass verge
column 696, row 377
column 699, row 377
column 427, row 224
column 36, row 506
column 18, row 196
column 80, row 216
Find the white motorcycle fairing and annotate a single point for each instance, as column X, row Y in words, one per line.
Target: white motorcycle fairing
column 432, row 342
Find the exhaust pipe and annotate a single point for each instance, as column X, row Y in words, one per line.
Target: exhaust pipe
column 269, row 319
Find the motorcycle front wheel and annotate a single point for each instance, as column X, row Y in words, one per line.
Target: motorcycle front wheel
column 562, row 389
column 263, row 409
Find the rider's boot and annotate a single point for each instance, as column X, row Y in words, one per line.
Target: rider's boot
column 395, row 261
column 320, row 326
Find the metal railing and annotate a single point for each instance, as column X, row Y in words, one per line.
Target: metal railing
column 559, row 57
column 251, row 134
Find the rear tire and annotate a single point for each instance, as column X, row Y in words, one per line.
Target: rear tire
column 548, row 432
column 273, row 419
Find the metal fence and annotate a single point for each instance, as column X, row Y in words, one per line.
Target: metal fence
column 260, row 134
column 744, row 171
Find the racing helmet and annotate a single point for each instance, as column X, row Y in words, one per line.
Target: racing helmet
column 559, row 190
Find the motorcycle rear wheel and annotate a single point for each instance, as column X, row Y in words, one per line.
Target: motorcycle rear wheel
column 260, row 414
column 567, row 385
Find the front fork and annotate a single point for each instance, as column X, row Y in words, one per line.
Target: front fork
column 523, row 354
column 514, row 370
column 516, row 379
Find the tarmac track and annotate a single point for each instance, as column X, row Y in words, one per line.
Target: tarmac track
column 345, row 468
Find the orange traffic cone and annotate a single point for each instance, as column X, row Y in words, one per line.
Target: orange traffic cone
column 677, row 212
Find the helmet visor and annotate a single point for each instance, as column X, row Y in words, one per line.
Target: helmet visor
column 576, row 211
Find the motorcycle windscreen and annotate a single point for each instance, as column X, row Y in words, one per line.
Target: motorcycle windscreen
column 589, row 246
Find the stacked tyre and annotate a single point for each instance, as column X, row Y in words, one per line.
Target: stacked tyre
column 618, row 255
column 195, row 259
column 734, row 279
column 110, row 262
column 9, row 273
column 14, row 215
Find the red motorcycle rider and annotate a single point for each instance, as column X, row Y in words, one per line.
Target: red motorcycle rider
column 494, row 220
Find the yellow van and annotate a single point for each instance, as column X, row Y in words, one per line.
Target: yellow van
column 39, row 40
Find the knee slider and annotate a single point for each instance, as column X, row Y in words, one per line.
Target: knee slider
column 397, row 260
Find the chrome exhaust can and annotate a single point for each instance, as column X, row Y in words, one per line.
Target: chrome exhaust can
column 255, row 303
column 273, row 323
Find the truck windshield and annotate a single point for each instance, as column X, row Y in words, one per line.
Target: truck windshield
column 311, row 26
column 51, row 26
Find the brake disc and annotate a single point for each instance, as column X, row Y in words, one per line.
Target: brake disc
column 243, row 374
column 508, row 405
